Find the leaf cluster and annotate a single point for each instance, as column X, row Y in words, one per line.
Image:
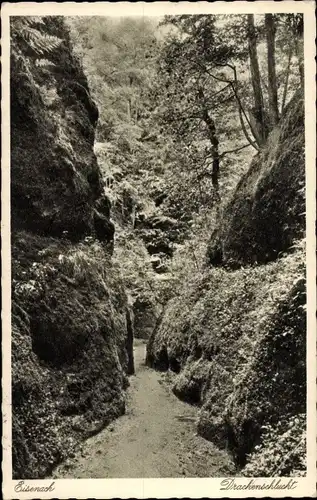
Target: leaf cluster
column 30, row 34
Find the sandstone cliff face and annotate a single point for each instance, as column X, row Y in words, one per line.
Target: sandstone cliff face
column 237, row 335
column 56, row 184
column 71, row 334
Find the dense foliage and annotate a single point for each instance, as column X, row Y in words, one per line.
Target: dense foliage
column 175, row 131
column 177, row 103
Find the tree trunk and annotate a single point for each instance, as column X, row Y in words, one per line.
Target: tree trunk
column 270, row 29
column 300, row 61
column 133, row 215
column 255, row 127
column 130, row 100
column 212, row 135
column 288, row 68
column 242, row 114
column 244, row 130
column 129, row 342
column 258, row 111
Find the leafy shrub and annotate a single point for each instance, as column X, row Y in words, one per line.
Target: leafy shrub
column 282, row 450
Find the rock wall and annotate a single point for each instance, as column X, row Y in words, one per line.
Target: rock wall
column 267, row 212
column 71, row 335
column 236, row 336
column 56, row 184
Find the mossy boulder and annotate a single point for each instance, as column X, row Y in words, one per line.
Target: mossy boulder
column 70, row 348
column 55, row 179
column 273, row 387
column 145, row 317
column 237, row 341
column 267, row 211
column 159, row 233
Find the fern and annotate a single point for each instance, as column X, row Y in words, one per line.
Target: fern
column 29, row 30
column 32, row 20
column 44, row 63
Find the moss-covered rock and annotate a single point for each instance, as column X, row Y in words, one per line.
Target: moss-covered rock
column 236, row 334
column 71, row 332
column 237, row 341
column 55, row 180
column 273, row 386
column 70, row 350
column 145, row 317
column 289, row 436
column 159, row 232
column 267, row 211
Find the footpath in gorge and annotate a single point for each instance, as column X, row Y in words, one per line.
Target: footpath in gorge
column 155, row 438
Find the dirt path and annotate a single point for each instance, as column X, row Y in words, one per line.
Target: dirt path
column 155, row 438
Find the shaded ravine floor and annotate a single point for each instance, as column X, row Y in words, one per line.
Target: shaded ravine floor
column 155, row 438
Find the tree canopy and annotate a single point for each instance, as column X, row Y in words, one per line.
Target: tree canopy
column 180, row 97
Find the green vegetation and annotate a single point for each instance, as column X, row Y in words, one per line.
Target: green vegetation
column 289, row 437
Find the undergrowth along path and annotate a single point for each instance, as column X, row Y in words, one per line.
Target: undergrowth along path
column 155, row 438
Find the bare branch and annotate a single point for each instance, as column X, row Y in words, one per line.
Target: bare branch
column 219, row 91
column 235, row 150
column 244, row 129
column 233, row 83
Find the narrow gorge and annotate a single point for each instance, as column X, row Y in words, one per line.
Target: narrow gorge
column 157, row 248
